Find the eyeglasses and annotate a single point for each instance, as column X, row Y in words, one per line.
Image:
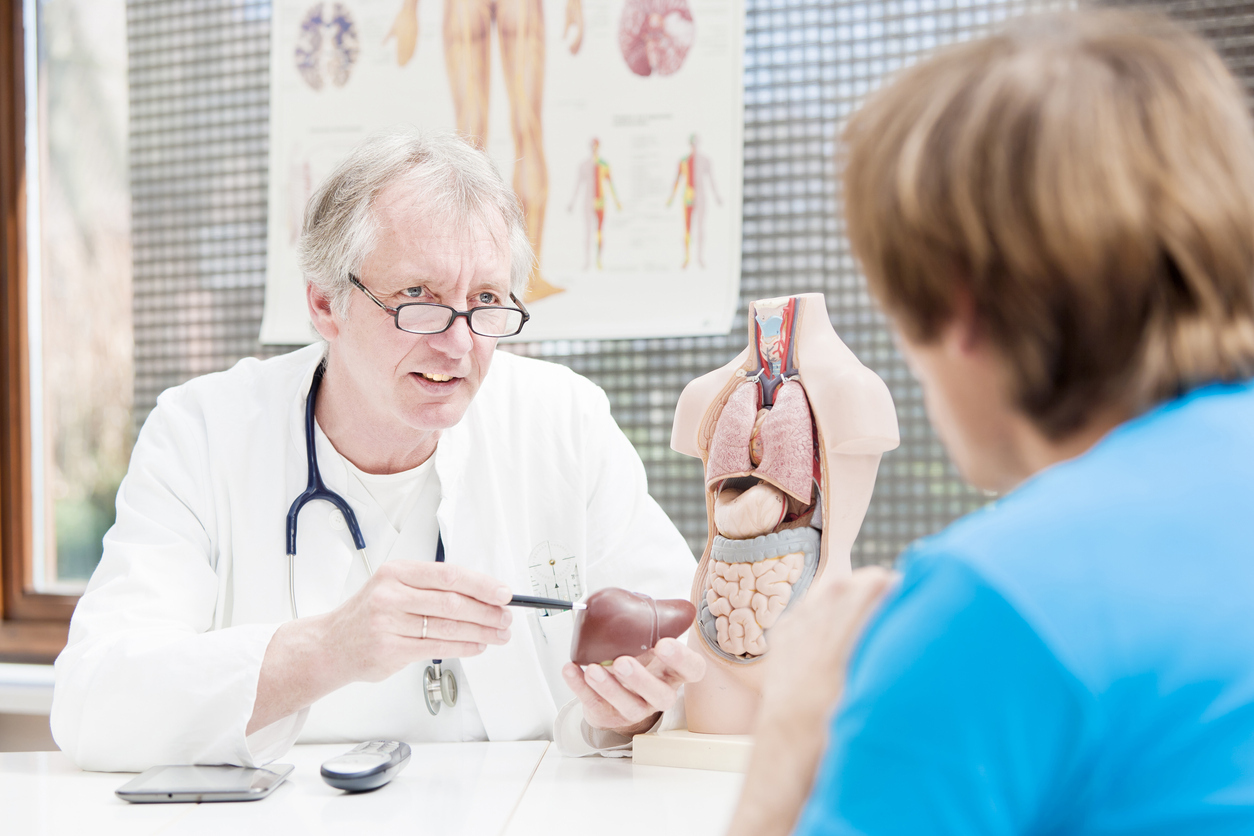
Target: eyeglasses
column 432, row 318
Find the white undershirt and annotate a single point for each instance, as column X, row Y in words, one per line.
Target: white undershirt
column 399, row 493
column 410, row 499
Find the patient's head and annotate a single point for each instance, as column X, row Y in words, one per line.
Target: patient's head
column 1082, row 187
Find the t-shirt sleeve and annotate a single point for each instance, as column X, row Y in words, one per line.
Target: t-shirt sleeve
column 957, row 718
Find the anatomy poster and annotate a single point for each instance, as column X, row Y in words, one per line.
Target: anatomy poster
column 618, row 122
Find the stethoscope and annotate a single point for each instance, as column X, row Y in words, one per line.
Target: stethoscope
column 439, row 687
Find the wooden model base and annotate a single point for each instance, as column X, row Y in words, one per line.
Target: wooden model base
column 690, row 750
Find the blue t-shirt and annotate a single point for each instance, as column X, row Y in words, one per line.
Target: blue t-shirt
column 1077, row 658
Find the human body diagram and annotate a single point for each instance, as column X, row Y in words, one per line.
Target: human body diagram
column 467, row 37
column 591, row 183
column 695, row 177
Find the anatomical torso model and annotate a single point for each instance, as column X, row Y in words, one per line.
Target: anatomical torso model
column 791, row 433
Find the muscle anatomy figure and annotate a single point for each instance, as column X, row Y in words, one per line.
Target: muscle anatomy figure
column 791, row 433
column 467, row 58
column 695, row 177
column 591, row 184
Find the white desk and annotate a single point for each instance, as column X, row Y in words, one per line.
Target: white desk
column 477, row 789
column 611, row 796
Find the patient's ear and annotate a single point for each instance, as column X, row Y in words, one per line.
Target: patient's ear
column 964, row 326
column 324, row 320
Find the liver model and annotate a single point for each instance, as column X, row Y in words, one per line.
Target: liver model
column 622, row 623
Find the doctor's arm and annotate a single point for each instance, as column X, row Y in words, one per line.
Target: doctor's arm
column 154, row 672
column 144, row 678
column 407, row 612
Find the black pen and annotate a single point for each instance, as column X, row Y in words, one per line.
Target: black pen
column 544, row 603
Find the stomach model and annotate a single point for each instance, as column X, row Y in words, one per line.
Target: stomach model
column 763, row 470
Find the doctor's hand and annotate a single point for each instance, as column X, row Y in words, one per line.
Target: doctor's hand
column 627, row 696
column 411, row 611
column 407, row 612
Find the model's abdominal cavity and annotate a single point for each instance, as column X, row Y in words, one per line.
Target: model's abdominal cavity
column 746, row 599
column 762, row 469
column 655, row 35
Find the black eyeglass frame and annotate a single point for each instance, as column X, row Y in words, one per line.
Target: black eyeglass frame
column 470, row 323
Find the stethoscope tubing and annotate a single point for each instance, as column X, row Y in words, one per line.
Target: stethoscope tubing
column 317, row 489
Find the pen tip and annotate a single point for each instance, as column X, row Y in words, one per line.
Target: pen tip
column 578, row 606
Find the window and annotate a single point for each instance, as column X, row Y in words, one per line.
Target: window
column 67, row 307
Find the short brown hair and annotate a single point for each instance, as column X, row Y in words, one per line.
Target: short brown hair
column 1088, row 178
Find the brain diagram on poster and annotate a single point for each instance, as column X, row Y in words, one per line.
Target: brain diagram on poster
column 618, row 123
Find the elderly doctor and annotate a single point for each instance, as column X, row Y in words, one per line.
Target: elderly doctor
column 186, row 647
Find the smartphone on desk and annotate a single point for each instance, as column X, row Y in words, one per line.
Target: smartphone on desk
column 203, row 783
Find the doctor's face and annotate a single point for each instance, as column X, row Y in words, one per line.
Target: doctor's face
column 421, row 382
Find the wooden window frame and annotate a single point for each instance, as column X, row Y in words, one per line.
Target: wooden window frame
column 33, row 625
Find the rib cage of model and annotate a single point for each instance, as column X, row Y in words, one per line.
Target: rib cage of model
column 791, row 433
column 655, row 35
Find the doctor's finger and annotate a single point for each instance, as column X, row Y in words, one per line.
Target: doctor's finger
column 450, row 578
column 418, row 649
column 635, row 677
column 676, row 663
column 630, row 706
column 443, row 629
column 596, row 710
column 454, row 607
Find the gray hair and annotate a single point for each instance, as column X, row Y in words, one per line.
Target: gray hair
column 456, row 181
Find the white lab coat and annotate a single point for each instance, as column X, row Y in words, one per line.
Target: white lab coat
column 166, row 645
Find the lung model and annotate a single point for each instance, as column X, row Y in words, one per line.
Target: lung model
column 655, row 35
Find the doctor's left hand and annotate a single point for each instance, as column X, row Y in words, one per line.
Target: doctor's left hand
column 627, row 696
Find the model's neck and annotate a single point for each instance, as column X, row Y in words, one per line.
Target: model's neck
column 373, row 442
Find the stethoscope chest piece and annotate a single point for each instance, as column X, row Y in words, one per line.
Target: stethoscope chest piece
column 439, row 687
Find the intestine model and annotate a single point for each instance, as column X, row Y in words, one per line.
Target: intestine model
column 791, row 433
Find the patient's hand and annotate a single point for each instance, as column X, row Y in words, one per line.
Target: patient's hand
column 810, row 652
column 627, row 696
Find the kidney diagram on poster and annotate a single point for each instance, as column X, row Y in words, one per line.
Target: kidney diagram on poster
column 619, row 124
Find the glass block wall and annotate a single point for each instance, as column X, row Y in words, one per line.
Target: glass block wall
column 198, row 152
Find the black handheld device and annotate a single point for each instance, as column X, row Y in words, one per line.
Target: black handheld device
column 366, row 767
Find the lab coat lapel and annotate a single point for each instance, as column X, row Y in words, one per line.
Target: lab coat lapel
column 510, row 691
